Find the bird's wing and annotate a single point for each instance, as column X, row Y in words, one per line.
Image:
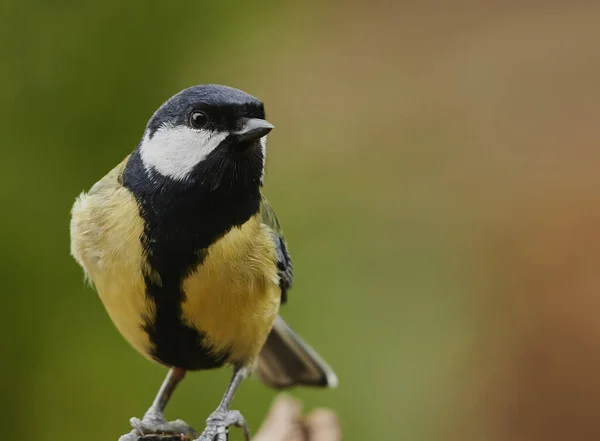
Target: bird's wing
column 284, row 260
column 112, row 181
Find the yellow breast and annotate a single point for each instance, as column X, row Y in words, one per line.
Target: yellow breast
column 233, row 296
column 105, row 240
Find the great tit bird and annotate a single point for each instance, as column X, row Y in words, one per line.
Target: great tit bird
column 188, row 256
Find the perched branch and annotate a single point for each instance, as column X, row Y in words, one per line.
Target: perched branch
column 285, row 422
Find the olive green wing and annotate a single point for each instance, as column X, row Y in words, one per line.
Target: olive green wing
column 112, row 180
column 284, row 260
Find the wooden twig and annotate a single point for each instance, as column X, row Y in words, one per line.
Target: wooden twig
column 285, row 422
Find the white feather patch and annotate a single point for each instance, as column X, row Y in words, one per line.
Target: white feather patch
column 263, row 145
column 175, row 151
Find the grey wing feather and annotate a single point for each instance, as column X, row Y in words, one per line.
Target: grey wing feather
column 286, row 361
column 284, row 268
column 284, row 260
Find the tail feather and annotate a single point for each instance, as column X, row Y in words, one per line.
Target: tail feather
column 287, row 361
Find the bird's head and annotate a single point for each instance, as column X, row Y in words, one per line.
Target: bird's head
column 209, row 135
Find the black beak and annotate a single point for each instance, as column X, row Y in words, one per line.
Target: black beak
column 253, row 129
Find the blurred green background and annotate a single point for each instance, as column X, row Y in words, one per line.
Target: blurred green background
column 436, row 169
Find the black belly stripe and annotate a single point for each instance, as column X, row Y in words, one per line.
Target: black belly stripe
column 175, row 343
column 180, row 222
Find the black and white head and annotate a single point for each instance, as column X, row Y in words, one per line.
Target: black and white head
column 209, row 135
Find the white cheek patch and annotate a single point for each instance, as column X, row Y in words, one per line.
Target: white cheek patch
column 263, row 145
column 175, row 151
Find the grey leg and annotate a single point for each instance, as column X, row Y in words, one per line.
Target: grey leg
column 154, row 421
column 174, row 377
column 218, row 422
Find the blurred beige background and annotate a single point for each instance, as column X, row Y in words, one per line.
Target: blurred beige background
column 436, row 169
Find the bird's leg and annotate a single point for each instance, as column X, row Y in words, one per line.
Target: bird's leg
column 154, row 421
column 218, row 422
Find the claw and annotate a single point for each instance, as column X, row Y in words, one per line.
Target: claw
column 154, row 427
column 217, row 425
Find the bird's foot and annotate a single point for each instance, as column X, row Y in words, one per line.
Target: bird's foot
column 217, row 425
column 154, row 427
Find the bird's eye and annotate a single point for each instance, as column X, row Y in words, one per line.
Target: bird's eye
column 198, row 119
